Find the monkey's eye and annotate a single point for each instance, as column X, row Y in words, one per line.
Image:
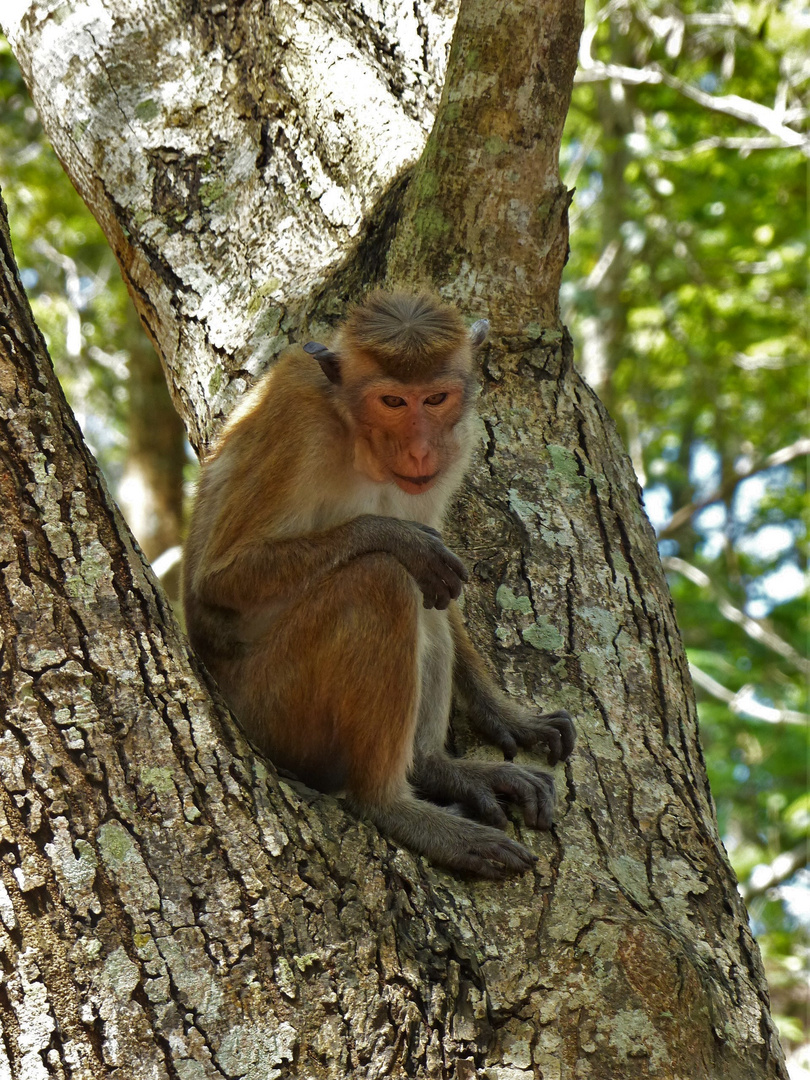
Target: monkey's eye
column 393, row 402
column 435, row 399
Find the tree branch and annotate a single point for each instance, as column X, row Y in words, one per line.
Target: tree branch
column 779, row 457
column 742, row 702
column 783, row 867
column 718, row 142
column 749, row 112
column 752, row 627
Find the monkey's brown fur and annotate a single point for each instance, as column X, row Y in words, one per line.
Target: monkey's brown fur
column 407, row 337
column 316, row 585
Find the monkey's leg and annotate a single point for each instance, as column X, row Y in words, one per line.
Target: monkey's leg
column 447, row 839
column 475, row 785
column 335, row 699
column 329, row 689
column 435, row 681
column 502, row 720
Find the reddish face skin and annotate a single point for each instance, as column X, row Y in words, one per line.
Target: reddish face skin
column 405, row 431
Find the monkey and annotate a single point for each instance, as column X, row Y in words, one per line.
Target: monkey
column 320, row 595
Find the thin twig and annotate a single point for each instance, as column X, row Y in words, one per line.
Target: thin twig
column 783, row 867
column 718, row 142
column 740, row 108
column 742, row 702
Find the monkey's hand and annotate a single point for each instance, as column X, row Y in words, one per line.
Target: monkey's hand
column 510, row 726
column 502, row 720
column 436, row 570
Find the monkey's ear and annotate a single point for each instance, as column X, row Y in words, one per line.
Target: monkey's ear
column 478, row 332
column 329, row 361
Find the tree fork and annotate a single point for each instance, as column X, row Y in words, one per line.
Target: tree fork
column 227, row 925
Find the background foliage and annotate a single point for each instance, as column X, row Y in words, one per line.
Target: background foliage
column 69, row 272
column 687, row 296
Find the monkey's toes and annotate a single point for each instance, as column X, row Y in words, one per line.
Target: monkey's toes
column 537, row 800
column 531, row 790
column 556, row 733
column 496, row 859
column 563, row 725
column 483, row 804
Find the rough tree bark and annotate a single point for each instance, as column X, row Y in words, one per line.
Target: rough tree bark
column 167, row 901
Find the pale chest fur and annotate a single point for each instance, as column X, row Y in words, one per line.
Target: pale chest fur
column 384, row 499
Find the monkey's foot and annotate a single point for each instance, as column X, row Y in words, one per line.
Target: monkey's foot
column 512, row 726
column 491, row 855
column 450, row 840
column 481, row 786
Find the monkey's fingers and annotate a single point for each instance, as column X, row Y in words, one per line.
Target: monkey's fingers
column 480, row 800
column 450, row 590
column 433, row 592
column 507, row 743
column 558, row 734
column 548, row 738
column 437, row 593
column 531, row 790
column 457, row 566
column 441, row 578
column 510, row 734
column 553, row 732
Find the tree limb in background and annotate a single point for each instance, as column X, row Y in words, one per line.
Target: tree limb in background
column 725, row 490
column 752, row 627
column 742, row 701
column 719, row 142
column 768, row 875
column 749, row 112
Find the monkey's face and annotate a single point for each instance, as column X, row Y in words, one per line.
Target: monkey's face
column 406, row 432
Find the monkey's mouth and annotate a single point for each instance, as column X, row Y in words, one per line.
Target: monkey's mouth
column 414, row 484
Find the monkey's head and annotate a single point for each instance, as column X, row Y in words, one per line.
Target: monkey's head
column 401, row 370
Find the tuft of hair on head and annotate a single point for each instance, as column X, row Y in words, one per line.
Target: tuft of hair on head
column 411, row 335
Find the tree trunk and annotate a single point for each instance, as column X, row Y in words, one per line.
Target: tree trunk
column 168, row 900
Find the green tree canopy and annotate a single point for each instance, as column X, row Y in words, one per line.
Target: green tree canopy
column 687, row 292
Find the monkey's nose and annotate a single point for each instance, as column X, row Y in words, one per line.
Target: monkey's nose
column 419, row 459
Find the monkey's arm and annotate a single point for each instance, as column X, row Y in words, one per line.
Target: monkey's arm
column 253, row 573
column 502, row 720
